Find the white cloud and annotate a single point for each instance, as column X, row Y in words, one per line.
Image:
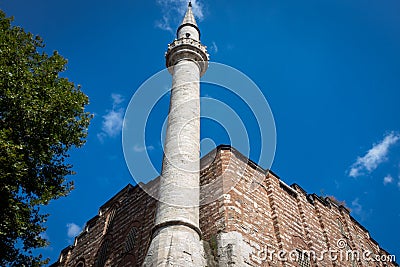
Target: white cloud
column 173, row 12
column 117, row 99
column 337, row 184
column 214, row 47
column 375, row 156
column 73, row 230
column 197, row 9
column 164, row 24
column 112, row 120
column 356, row 206
column 388, row 179
column 138, row 148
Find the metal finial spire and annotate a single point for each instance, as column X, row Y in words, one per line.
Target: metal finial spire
column 190, row 4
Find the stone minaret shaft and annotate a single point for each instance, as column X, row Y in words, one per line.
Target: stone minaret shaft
column 176, row 236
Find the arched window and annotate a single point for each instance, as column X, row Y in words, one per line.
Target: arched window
column 130, row 242
column 80, row 264
column 102, row 254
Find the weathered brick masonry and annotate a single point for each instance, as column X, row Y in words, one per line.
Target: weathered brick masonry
column 246, row 213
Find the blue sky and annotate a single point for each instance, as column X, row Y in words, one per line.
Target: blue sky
column 330, row 71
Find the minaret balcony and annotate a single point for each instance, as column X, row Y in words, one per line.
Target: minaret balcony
column 187, row 49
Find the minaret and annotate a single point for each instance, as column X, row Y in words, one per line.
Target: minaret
column 176, row 238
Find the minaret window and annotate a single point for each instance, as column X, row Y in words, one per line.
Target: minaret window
column 187, row 35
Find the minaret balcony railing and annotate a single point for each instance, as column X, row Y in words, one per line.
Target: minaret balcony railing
column 187, row 41
column 187, row 49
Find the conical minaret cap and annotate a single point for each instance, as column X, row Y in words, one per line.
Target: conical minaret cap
column 188, row 22
column 189, row 16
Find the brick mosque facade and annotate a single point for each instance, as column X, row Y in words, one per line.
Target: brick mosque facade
column 248, row 217
column 241, row 214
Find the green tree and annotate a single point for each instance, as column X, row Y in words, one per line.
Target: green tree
column 42, row 117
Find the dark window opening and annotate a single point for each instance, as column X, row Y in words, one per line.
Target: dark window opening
column 102, row 256
column 131, row 239
column 303, row 259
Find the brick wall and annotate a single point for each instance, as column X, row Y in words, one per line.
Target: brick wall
column 237, row 197
column 131, row 211
column 272, row 216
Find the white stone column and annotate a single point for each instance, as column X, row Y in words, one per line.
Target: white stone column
column 176, row 239
column 179, row 185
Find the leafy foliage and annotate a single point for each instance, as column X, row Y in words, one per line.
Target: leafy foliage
column 42, row 117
